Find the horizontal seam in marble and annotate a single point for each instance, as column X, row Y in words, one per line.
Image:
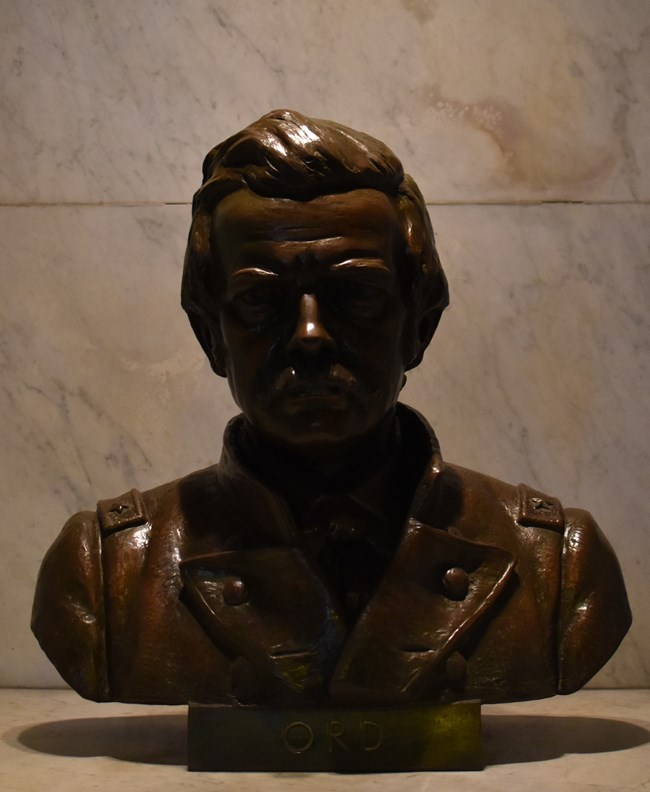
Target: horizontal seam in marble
column 102, row 204
column 98, row 204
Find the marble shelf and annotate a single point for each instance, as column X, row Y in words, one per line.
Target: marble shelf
column 596, row 740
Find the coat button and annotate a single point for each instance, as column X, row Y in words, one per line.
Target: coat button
column 456, row 583
column 235, row 591
column 456, row 667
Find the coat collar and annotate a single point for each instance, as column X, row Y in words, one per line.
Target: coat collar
column 253, row 497
column 268, row 603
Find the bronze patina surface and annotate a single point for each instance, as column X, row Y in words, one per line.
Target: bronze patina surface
column 330, row 558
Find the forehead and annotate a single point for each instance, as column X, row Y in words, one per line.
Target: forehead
column 246, row 224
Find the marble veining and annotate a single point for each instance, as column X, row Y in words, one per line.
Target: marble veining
column 485, row 101
column 540, row 369
column 105, row 388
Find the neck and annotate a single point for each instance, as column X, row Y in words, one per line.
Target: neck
column 326, row 465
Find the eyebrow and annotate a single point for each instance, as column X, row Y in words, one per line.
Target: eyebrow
column 254, row 272
column 362, row 262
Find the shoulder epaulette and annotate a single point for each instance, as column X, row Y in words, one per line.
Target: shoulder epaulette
column 126, row 511
column 539, row 510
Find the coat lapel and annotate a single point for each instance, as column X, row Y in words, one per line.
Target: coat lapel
column 437, row 591
column 269, row 607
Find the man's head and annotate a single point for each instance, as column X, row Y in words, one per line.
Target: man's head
column 311, row 276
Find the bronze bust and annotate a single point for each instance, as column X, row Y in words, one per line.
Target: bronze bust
column 330, row 555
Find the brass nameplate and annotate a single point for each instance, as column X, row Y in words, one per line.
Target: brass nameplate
column 341, row 739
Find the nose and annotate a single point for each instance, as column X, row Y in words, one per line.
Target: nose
column 310, row 334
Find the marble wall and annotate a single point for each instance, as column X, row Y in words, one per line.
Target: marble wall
column 526, row 125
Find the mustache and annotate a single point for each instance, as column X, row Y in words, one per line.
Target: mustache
column 298, row 381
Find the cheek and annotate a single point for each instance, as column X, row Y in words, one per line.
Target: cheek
column 236, row 365
column 246, row 364
column 378, row 349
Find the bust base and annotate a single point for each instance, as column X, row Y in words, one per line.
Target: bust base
column 335, row 739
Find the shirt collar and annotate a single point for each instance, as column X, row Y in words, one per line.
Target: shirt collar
column 420, row 462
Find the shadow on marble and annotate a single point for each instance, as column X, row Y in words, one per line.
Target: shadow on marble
column 147, row 739
column 161, row 739
column 518, row 739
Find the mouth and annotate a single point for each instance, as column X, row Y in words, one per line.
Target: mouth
column 312, row 400
column 325, row 390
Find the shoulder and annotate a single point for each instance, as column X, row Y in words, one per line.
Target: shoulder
column 594, row 611
column 483, row 503
column 69, row 609
column 593, row 614
column 154, row 506
column 77, row 549
column 68, row 615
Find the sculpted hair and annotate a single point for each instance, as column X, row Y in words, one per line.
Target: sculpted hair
column 287, row 155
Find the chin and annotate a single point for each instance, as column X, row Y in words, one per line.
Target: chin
column 318, row 431
column 313, row 431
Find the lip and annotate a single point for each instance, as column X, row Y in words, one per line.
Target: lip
column 311, row 400
column 315, row 387
column 334, row 379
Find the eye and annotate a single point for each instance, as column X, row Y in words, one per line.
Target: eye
column 357, row 297
column 260, row 295
column 258, row 303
